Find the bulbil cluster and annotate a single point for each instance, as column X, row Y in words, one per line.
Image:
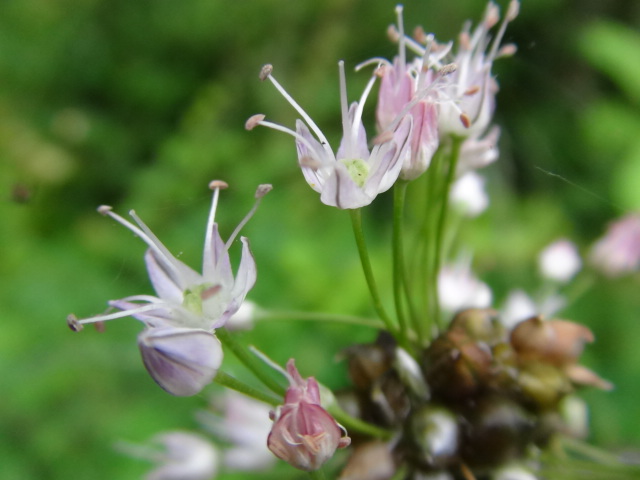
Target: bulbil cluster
column 491, row 395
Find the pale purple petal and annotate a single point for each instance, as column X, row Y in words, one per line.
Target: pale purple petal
column 307, row 156
column 341, row 191
column 216, row 266
column 181, row 360
column 354, row 148
column 245, row 280
column 386, row 160
column 162, row 282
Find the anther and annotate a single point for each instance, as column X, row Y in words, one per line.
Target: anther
column 513, row 10
column 507, row 50
column 472, row 90
column 465, row 41
column 254, row 121
column 448, row 69
column 466, row 121
column 210, row 292
column 263, row 189
column 73, row 323
column 309, row 162
column 419, row 35
column 393, row 34
column 493, row 15
column 213, row 184
column 381, row 70
column 104, row 209
column 265, row 72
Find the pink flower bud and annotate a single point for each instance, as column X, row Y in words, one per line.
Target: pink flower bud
column 304, row 434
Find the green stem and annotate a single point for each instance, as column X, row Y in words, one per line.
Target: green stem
column 249, row 361
column 317, row 474
column 235, row 384
column 356, row 221
column 271, row 315
column 442, row 219
column 352, row 423
column 399, row 194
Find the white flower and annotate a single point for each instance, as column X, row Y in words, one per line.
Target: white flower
column 468, row 194
column 354, row 175
column 458, row 288
column 560, row 261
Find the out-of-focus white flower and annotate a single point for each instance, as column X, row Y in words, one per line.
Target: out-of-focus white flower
column 458, row 288
column 245, row 426
column 519, row 306
column 178, row 455
column 560, row 261
column 513, row 472
column 618, row 251
column 244, row 318
column 354, row 175
column 468, row 194
column 479, row 151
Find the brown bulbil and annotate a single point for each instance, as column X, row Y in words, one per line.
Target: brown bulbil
column 557, row 342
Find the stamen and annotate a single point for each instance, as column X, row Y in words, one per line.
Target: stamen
column 360, row 108
column 293, row 133
column 381, row 62
column 263, row 356
column 492, row 15
column 507, row 50
column 210, row 292
column 466, row 121
column 419, row 35
column 254, row 121
column 214, row 185
column 472, row 90
column 76, row 324
column 146, row 235
column 512, row 12
column 343, row 100
column 265, row 72
column 310, row 162
column 305, row 116
column 401, row 47
column 261, row 191
column 393, row 34
column 448, row 69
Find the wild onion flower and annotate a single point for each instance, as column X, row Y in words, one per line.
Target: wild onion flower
column 560, row 261
column 304, row 434
column 468, row 100
column 353, row 176
column 617, row 252
column 410, row 88
column 178, row 345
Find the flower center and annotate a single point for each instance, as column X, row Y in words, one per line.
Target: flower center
column 358, row 170
column 194, row 296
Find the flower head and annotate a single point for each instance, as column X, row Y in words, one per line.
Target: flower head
column 354, row 175
column 304, row 434
column 468, row 99
column 178, row 346
column 618, row 251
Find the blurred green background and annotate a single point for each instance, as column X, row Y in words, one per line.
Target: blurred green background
column 139, row 104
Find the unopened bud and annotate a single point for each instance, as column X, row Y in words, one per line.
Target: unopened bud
column 265, row 71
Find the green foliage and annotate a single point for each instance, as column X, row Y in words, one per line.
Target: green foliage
column 141, row 104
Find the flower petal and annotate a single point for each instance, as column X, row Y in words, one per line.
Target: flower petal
column 181, row 360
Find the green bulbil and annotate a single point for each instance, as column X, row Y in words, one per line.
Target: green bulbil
column 358, row 170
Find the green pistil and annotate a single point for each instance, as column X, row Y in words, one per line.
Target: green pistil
column 358, row 170
column 193, row 298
